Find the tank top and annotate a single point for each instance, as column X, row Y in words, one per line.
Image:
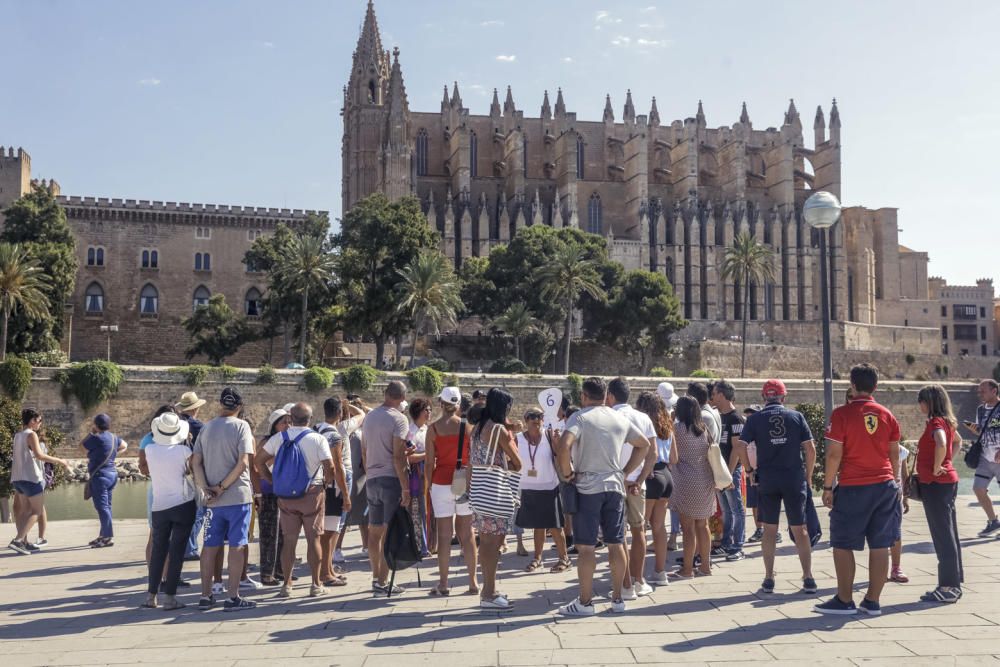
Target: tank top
column 24, row 466
column 446, row 456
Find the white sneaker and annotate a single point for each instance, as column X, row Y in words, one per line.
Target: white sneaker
column 577, row 608
column 658, row 579
column 629, row 594
column 338, row 556
column 251, row 584
column 642, row 589
column 618, row 606
column 218, row 588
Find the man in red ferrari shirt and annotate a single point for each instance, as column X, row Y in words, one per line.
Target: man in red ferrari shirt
column 862, row 445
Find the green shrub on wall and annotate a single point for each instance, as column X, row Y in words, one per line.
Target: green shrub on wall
column 661, row 372
column 15, row 378
column 195, row 375
column 359, row 378
column 575, row 387
column 318, row 378
column 49, row 359
column 702, row 373
column 428, row 381
column 266, row 375
column 91, row 382
column 438, row 364
column 509, row 365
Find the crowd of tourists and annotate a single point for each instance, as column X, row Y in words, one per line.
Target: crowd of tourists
column 468, row 473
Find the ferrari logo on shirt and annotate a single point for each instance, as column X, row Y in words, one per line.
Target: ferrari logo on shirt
column 871, row 424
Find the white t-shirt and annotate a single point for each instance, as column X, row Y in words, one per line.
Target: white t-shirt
column 545, row 477
column 418, row 436
column 315, row 449
column 346, row 428
column 642, row 422
column 167, row 466
column 713, row 422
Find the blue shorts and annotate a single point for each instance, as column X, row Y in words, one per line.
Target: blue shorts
column 772, row 492
column 751, row 496
column 384, row 496
column 869, row 512
column 604, row 510
column 29, row 489
column 230, row 523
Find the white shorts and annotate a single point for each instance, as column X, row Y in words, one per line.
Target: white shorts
column 331, row 524
column 444, row 503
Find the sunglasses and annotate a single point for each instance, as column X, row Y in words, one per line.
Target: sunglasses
column 533, row 416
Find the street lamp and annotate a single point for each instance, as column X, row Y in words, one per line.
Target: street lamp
column 109, row 329
column 821, row 211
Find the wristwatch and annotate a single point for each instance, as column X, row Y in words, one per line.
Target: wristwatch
column 828, row 488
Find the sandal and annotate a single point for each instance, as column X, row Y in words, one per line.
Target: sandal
column 150, row 602
column 438, row 592
column 172, row 605
column 563, row 565
column 535, row 564
column 336, row 581
column 676, row 574
column 498, row 602
column 942, row 595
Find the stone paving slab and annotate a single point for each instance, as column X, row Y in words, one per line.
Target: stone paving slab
column 71, row 605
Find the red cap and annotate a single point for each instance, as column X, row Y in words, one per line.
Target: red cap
column 773, row 389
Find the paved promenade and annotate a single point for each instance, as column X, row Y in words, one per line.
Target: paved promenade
column 72, row 605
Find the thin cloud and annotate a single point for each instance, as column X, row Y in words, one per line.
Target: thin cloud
column 506, row 59
column 479, row 89
column 491, row 23
column 652, row 42
column 149, row 82
column 648, row 10
column 604, row 17
column 621, row 40
column 267, row 45
column 567, row 59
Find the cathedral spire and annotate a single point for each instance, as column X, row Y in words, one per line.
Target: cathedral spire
column 560, row 104
column 546, row 109
column 792, row 114
column 370, row 42
column 744, row 116
column 834, row 115
column 654, row 114
column 397, row 102
column 495, row 106
column 456, row 98
column 370, row 66
column 700, row 116
column 629, row 112
column 445, row 102
column 609, row 113
column 820, row 122
column 508, row 103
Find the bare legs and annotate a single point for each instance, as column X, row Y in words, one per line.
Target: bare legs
column 463, row 526
column 696, row 537
column 26, row 512
column 489, row 556
column 328, row 542
column 376, row 538
column 878, row 573
column 656, row 515
column 636, row 556
column 986, row 503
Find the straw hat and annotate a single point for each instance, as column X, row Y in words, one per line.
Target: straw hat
column 189, row 401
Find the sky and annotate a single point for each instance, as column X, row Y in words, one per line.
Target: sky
column 238, row 101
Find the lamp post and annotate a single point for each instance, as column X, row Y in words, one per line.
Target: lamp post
column 821, row 211
column 109, row 329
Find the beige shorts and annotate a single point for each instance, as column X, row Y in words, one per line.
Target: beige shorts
column 635, row 509
column 305, row 513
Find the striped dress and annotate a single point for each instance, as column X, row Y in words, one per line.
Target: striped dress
column 694, row 484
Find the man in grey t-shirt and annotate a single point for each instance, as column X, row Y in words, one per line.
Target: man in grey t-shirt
column 589, row 456
column 221, row 466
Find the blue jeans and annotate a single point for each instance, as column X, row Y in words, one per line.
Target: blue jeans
column 733, row 516
column 101, row 485
column 199, row 521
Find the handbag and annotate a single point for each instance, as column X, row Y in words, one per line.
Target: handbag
column 911, row 482
column 720, row 471
column 87, row 494
column 494, row 491
column 975, row 452
column 460, row 481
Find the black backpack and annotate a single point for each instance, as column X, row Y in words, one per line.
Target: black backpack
column 401, row 550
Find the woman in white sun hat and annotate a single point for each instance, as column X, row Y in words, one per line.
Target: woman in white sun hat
column 173, row 506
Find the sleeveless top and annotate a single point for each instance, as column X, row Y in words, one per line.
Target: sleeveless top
column 446, row 456
column 24, row 466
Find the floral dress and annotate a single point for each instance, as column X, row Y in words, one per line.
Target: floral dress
column 478, row 450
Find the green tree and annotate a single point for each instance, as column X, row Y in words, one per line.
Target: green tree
column 746, row 262
column 23, row 287
column 38, row 224
column 216, row 331
column 568, row 276
column 517, row 321
column 429, row 294
column 306, row 267
column 641, row 315
column 377, row 237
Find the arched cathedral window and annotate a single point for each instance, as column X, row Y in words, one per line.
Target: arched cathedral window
column 422, row 153
column 594, row 214
column 580, row 162
column 473, row 155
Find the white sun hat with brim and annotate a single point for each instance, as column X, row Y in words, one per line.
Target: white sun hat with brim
column 275, row 416
column 665, row 390
column 169, row 429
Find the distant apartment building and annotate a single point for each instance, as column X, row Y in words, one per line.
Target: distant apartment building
column 968, row 317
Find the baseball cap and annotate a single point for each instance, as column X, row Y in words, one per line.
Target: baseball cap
column 450, row 395
column 774, row 389
column 102, row 421
column 230, row 398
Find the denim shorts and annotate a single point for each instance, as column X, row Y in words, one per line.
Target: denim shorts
column 384, row 496
column 230, row 523
column 866, row 512
column 772, row 493
column 29, row 489
column 604, row 511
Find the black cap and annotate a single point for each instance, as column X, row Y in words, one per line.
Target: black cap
column 477, row 394
column 230, row 398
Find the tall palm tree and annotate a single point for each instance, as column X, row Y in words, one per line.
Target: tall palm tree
column 429, row 293
column 23, row 284
column 564, row 280
column 517, row 321
column 747, row 261
column 306, row 266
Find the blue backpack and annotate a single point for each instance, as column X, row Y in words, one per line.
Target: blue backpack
column 290, row 477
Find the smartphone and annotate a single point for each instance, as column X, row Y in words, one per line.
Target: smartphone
column 969, row 424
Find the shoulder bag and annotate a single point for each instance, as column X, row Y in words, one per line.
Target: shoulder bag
column 459, row 481
column 114, row 448
column 494, row 489
column 975, row 452
column 720, row 471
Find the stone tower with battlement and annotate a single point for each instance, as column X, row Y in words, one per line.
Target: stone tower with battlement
column 668, row 196
column 15, row 176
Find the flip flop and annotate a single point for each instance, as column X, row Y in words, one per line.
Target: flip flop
column 535, row 564
column 439, row 592
column 676, row 574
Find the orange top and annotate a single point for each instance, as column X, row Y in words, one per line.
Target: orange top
column 446, row 456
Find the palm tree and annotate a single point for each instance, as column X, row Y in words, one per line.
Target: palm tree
column 517, row 321
column 23, row 284
column 745, row 262
column 429, row 293
column 563, row 280
column 306, row 266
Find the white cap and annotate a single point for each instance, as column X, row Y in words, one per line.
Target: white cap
column 665, row 390
column 450, row 395
column 287, row 407
column 275, row 416
column 403, row 405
